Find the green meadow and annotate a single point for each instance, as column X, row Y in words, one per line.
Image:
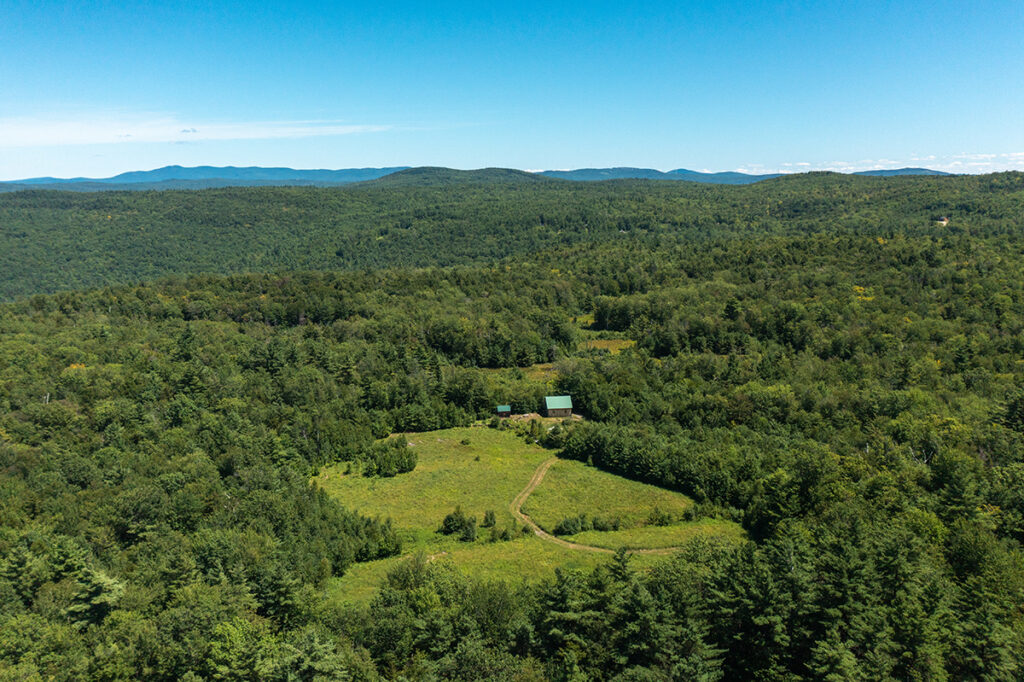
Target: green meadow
column 527, row 558
column 658, row 537
column 480, row 469
column 572, row 488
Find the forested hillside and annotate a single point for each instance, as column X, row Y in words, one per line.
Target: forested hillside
column 815, row 359
column 52, row 241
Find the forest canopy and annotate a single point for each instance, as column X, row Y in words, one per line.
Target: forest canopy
column 53, row 241
column 813, row 358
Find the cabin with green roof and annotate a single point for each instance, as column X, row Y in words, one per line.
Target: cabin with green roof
column 504, row 410
column 558, row 406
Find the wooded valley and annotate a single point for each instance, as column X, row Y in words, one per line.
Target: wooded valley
column 813, row 360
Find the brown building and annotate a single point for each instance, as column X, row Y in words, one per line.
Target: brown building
column 558, row 406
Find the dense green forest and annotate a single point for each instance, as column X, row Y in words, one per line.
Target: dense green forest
column 52, row 241
column 816, row 359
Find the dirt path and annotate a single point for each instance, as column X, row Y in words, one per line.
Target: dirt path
column 517, row 510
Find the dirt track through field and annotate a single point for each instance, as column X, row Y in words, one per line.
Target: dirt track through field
column 517, row 510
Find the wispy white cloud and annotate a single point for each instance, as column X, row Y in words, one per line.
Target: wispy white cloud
column 122, row 129
column 954, row 163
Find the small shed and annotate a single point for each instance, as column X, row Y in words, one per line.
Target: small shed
column 558, row 406
column 504, row 410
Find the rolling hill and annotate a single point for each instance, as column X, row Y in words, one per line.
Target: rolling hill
column 212, row 177
column 437, row 176
column 204, row 177
column 423, row 217
column 626, row 173
column 887, row 173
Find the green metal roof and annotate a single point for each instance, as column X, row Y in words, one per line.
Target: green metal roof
column 504, row 408
column 557, row 402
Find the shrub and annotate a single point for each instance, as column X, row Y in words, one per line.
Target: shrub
column 659, row 518
column 572, row 525
column 468, row 533
column 453, row 522
column 502, row 534
column 389, row 458
column 458, row 522
column 603, row 524
column 554, row 439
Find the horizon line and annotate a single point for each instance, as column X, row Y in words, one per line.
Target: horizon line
column 747, row 170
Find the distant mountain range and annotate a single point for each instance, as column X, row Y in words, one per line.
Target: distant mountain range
column 592, row 174
column 206, row 177
column 431, row 175
column 901, row 171
column 725, row 178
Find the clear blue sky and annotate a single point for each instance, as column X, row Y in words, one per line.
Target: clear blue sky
column 94, row 88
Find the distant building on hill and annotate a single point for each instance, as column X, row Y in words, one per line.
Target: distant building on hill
column 944, row 220
column 504, row 410
column 558, row 406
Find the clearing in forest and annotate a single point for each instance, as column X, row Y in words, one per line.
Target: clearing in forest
column 613, row 346
column 643, row 517
column 479, row 470
column 572, row 488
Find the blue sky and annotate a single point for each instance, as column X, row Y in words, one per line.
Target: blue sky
column 96, row 88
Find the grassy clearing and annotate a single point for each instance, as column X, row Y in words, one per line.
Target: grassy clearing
column 525, row 559
column 655, row 537
column 613, row 346
column 485, row 474
column 585, row 320
column 540, row 373
column 572, row 488
column 544, row 371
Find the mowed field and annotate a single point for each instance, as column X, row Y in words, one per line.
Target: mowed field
column 525, row 559
column 481, row 469
column 572, row 488
column 659, row 537
column 485, row 474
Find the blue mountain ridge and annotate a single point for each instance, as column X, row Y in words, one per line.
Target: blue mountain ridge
column 888, row 173
column 205, row 177
column 253, row 173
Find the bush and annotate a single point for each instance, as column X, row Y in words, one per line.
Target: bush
column 453, row 522
column 468, row 533
column 489, row 519
column 500, row 535
column 458, row 523
column 554, row 439
column 572, row 525
column 389, row 458
column 604, row 525
column 659, row 518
